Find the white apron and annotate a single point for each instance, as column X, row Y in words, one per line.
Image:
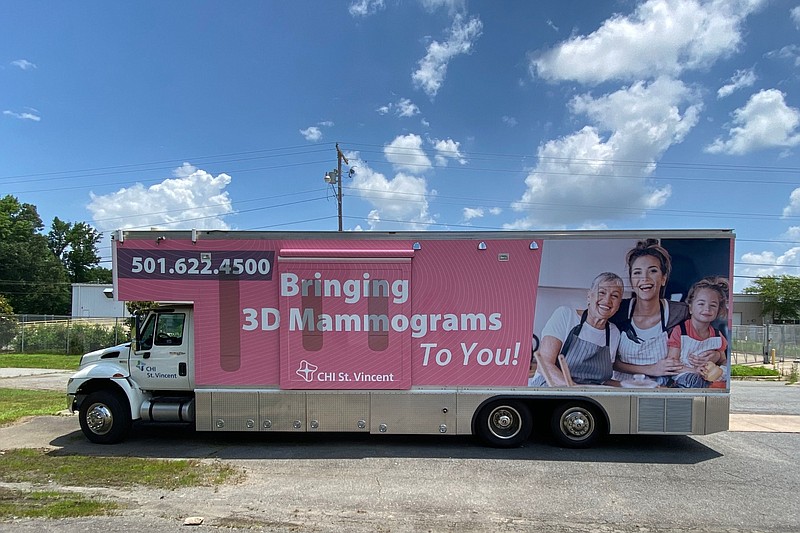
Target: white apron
column 642, row 351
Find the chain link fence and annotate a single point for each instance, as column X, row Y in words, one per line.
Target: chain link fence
column 60, row 334
column 754, row 344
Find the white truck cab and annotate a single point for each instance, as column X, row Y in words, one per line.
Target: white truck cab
column 149, row 378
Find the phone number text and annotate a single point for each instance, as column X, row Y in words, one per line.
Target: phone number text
column 167, row 264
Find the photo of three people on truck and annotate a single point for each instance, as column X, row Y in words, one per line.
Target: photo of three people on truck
column 645, row 340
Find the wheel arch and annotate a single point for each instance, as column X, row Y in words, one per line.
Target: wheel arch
column 120, row 387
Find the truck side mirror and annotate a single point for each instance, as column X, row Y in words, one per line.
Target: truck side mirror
column 137, row 336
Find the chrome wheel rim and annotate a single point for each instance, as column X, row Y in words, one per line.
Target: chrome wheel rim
column 505, row 422
column 99, row 419
column 577, row 423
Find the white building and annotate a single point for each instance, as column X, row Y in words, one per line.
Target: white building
column 94, row 300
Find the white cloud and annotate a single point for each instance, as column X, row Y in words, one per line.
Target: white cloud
column 24, row 64
column 433, row 67
column 406, row 108
column 403, row 108
column 764, row 122
column 312, row 133
column 793, row 209
column 790, row 52
column 661, row 37
column 472, row 212
column 25, row 115
column 448, row 149
column 453, row 6
column 740, row 79
column 769, row 264
column 495, row 210
column 795, row 14
column 793, row 233
column 400, row 202
column 581, row 179
column 192, row 199
column 509, row 121
column 364, row 8
column 405, row 153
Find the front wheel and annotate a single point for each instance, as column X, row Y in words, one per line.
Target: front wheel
column 105, row 417
column 575, row 425
column 504, row 424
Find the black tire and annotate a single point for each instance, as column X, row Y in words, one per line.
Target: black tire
column 576, row 425
column 504, row 424
column 105, row 417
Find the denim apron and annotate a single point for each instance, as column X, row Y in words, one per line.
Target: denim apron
column 588, row 363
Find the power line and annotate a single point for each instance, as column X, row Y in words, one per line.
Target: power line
column 178, row 160
column 159, row 180
column 296, row 150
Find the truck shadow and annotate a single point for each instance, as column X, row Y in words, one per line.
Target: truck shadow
column 180, row 441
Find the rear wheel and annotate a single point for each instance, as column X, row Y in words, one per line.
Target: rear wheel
column 504, row 424
column 105, row 417
column 576, row 425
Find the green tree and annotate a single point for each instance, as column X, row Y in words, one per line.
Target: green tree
column 31, row 277
column 8, row 323
column 780, row 296
column 139, row 307
column 76, row 246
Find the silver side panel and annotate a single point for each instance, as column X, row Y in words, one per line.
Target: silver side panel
column 421, row 413
column 618, row 410
column 338, row 412
column 717, row 414
column 281, row 411
column 235, row 410
column 443, row 411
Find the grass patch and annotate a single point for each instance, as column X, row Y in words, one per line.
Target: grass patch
column 742, row 370
column 17, row 403
column 38, row 467
column 39, row 360
column 50, row 504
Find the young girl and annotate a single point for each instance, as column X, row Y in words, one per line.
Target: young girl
column 696, row 343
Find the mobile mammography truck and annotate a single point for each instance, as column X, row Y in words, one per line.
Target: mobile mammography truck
column 396, row 333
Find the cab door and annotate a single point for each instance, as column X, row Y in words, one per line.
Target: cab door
column 160, row 361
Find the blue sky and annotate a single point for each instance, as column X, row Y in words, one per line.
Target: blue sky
column 453, row 115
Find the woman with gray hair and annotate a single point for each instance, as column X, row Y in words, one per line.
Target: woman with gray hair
column 578, row 345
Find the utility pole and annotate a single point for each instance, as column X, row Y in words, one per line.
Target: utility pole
column 335, row 177
column 339, row 158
